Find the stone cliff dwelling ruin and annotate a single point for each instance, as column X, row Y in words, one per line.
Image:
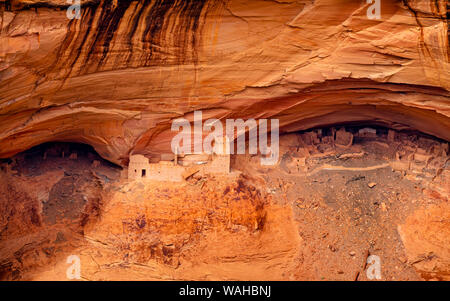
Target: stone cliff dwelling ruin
column 87, row 108
column 218, row 162
column 416, row 157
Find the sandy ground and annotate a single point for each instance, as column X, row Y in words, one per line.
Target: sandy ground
column 317, row 218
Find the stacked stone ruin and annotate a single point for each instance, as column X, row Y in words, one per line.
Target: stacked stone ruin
column 175, row 170
column 418, row 157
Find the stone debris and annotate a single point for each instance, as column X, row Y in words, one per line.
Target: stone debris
column 190, row 172
column 372, row 184
column 415, row 157
column 412, row 155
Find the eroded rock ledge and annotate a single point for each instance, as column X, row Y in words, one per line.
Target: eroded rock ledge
column 337, row 196
column 116, row 78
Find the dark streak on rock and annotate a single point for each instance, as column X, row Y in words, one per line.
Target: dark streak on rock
column 87, row 44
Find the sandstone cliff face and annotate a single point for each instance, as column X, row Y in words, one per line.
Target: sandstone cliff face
column 116, row 79
column 119, row 75
column 317, row 215
column 425, row 236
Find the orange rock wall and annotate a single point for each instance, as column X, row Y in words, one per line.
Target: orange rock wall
column 117, row 77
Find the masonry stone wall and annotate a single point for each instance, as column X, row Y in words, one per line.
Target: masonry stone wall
column 140, row 169
column 165, row 171
column 136, row 165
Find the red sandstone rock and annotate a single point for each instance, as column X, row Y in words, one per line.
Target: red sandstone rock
column 425, row 235
column 117, row 83
column 119, row 76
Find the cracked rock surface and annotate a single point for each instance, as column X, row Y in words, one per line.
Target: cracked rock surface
column 118, row 76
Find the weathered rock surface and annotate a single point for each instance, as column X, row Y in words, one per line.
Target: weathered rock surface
column 426, row 236
column 117, row 77
column 315, row 216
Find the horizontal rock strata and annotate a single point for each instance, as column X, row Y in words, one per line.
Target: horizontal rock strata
column 117, row 77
